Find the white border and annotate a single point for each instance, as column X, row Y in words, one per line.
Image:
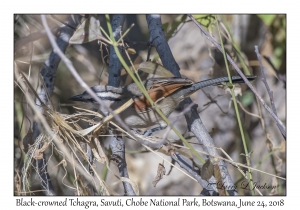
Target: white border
column 154, row 6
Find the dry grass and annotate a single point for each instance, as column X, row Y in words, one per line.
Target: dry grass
column 64, row 139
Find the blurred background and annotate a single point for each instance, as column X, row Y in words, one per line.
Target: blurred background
column 198, row 60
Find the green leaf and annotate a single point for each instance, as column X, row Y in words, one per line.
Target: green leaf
column 165, row 27
column 204, row 20
column 267, row 19
column 247, row 98
column 170, row 27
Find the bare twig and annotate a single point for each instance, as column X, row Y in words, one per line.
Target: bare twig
column 183, row 112
column 264, row 80
column 210, row 38
column 270, row 93
column 212, row 101
column 281, row 77
column 33, row 37
column 82, row 56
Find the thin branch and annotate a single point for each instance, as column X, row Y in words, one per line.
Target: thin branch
column 210, row 38
column 183, row 112
column 194, row 122
column 264, row 80
column 33, row 37
column 82, row 56
column 281, row 77
column 138, row 43
column 157, row 144
column 154, row 145
column 270, row 93
column 212, row 101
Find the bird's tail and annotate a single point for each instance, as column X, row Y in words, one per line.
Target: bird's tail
column 211, row 82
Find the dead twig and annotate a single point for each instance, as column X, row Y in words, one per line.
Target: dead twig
column 274, row 116
column 270, row 92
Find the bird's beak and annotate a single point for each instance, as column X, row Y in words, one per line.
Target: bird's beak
column 77, row 98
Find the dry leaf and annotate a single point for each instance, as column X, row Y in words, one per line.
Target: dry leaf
column 100, row 155
column 131, row 51
column 218, row 176
column 38, row 154
column 110, row 116
column 186, row 152
column 86, row 131
column 161, row 171
column 88, row 31
column 283, row 146
column 207, row 170
column 154, row 68
column 167, row 149
column 82, row 187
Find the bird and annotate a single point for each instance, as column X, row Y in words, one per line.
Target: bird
column 165, row 92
